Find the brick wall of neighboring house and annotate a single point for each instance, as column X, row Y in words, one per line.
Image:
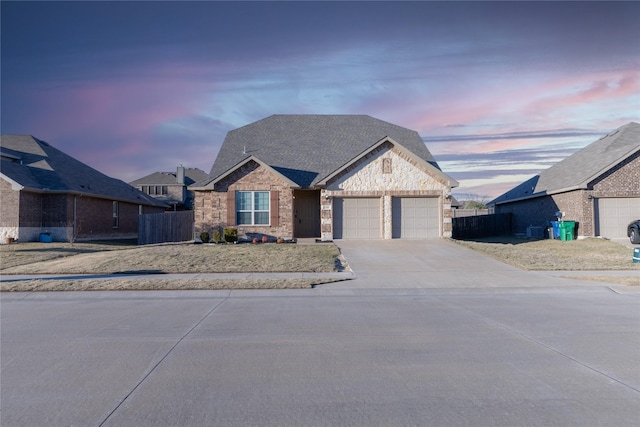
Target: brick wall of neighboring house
column 621, row 181
column 578, row 205
column 95, row 218
column 386, row 173
column 214, row 211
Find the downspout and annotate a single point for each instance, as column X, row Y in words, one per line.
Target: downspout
column 75, row 217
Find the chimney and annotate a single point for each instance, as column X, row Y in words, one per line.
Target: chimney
column 180, row 175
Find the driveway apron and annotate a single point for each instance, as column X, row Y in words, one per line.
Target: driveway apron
column 432, row 263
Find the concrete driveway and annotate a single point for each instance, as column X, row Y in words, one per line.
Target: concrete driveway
column 433, row 263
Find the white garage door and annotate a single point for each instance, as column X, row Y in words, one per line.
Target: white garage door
column 415, row 217
column 613, row 215
column 356, row 218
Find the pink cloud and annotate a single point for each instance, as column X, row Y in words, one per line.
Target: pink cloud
column 545, row 104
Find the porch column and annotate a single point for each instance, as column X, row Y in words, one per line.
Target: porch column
column 387, row 217
column 326, row 216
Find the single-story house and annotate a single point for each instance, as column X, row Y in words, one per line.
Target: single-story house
column 171, row 187
column 326, row 177
column 597, row 186
column 43, row 190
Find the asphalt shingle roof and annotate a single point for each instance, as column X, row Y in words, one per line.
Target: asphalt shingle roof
column 191, row 176
column 308, row 148
column 36, row 165
column 582, row 167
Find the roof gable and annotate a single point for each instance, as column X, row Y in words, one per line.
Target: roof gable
column 210, row 184
column 582, row 167
column 308, row 148
column 34, row 165
column 428, row 167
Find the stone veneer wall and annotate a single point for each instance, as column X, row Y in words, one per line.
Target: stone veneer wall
column 385, row 173
column 211, row 206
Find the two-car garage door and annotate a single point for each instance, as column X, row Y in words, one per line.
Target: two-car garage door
column 361, row 218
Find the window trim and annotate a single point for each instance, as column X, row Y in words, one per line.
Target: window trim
column 253, row 210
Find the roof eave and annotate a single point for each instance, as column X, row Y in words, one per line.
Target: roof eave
column 15, row 185
column 155, row 203
column 541, row 194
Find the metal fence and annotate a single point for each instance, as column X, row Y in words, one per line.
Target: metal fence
column 165, row 227
column 482, row 226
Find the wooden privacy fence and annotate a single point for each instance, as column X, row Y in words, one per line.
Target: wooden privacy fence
column 470, row 227
column 165, row 227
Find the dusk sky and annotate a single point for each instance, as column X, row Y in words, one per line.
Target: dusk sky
column 498, row 91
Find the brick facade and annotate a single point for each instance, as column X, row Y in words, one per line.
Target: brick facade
column 212, row 210
column 578, row 205
column 385, row 172
column 24, row 215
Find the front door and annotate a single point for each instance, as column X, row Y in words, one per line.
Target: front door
column 306, row 213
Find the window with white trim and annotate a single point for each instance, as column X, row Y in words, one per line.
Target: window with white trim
column 252, row 208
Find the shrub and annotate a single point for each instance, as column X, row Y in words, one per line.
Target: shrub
column 204, row 236
column 216, row 236
column 230, row 235
column 265, row 239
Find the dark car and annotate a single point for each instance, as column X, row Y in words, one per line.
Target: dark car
column 633, row 231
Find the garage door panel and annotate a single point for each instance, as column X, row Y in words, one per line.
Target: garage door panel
column 415, row 217
column 356, row 218
column 614, row 214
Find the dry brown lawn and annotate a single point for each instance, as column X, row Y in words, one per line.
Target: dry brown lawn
column 583, row 254
column 575, row 255
column 93, row 258
column 126, row 257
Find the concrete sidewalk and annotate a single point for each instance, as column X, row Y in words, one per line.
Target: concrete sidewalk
column 329, row 275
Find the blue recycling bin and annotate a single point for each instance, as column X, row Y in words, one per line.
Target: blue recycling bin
column 556, row 229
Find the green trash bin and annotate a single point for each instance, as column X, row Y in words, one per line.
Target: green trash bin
column 566, row 230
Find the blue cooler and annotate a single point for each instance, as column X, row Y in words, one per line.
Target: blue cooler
column 636, row 255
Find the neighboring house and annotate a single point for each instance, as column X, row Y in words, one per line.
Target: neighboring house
column 327, row 177
column 468, row 208
column 44, row 190
column 171, row 187
column 598, row 187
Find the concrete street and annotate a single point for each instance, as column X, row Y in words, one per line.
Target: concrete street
column 428, row 334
